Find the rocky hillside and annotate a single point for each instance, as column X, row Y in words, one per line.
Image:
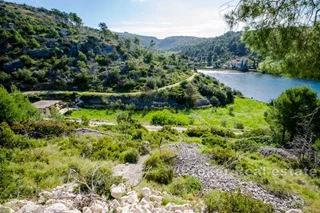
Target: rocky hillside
column 44, row 49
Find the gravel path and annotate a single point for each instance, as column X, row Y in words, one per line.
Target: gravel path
column 192, row 162
column 132, row 173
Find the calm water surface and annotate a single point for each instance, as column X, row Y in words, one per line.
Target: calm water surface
column 261, row 87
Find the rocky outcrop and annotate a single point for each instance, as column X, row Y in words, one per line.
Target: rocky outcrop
column 192, row 162
column 39, row 53
column 13, row 66
column 267, row 151
column 63, row 200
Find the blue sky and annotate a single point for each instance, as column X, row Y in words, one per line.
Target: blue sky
column 160, row 18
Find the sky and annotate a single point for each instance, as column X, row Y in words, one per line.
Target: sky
column 159, row 18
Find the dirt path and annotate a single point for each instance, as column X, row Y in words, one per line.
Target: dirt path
column 132, row 173
column 105, row 93
column 151, row 128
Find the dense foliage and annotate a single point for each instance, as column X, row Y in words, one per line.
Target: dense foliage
column 292, row 108
column 15, row 107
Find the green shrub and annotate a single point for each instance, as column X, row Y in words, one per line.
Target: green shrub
column 223, row 156
column 160, row 166
column 157, row 159
column 50, row 127
column 198, row 132
column 222, row 132
column 162, row 174
column 131, row 156
column 215, row 141
column 10, row 140
column 163, row 118
column 245, row 145
column 238, row 125
column 85, row 121
column 98, row 180
column 226, row 202
column 185, row 185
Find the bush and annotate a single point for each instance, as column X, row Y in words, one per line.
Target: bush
column 161, row 165
column 198, row 132
column 50, row 127
column 10, row 140
column 215, row 141
column 214, row 101
column 223, row 156
column 218, row 201
column 222, row 132
column 185, row 185
column 238, row 125
column 165, row 117
column 245, row 145
column 98, row 180
column 85, row 121
column 162, row 174
column 131, row 156
column 158, row 158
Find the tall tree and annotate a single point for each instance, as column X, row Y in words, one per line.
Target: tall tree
column 287, row 32
column 288, row 109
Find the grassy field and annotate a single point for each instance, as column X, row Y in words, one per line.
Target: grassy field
column 246, row 111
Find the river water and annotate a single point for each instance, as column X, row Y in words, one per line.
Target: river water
column 258, row 86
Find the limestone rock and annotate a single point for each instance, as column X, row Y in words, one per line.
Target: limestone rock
column 294, row 211
column 56, row 208
column 117, row 191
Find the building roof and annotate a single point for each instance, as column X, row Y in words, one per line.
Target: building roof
column 45, row 103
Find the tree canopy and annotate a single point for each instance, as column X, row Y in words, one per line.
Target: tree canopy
column 289, row 109
column 286, row 32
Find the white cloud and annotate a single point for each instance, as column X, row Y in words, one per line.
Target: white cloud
column 178, row 17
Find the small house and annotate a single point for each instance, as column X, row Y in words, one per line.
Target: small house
column 45, row 105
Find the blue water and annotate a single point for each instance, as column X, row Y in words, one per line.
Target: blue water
column 258, row 86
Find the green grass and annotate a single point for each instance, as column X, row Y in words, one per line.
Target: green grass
column 246, row 111
column 276, row 175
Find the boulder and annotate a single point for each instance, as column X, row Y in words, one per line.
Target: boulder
column 31, row 208
column 156, row 198
column 132, row 197
column 117, row 191
column 6, row 209
column 96, row 208
column 146, row 192
column 86, row 210
column 56, row 208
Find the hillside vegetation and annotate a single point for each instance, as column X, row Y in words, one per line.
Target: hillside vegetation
column 44, row 49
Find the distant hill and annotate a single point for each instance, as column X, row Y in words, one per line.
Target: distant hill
column 203, row 52
column 170, row 43
column 144, row 40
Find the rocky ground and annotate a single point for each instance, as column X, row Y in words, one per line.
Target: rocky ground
column 63, row 200
column 192, row 162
